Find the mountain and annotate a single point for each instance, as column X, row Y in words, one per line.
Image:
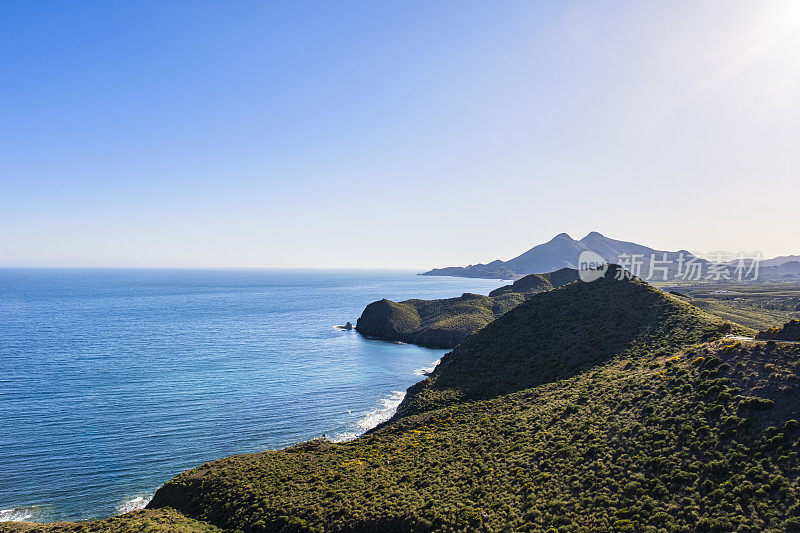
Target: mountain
column 446, row 322
column 560, row 252
column 557, row 333
column 788, row 271
column 778, row 261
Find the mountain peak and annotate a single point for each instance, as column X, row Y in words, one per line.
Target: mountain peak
column 563, row 251
column 593, row 235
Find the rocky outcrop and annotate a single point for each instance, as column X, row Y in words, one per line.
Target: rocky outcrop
column 788, row 332
column 389, row 320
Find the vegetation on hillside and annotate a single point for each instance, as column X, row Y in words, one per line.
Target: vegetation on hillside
column 143, row 521
column 536, row 283
column 755, row 305
column 788, row 332
column 560, row 332
column 445, row 323
column 703, row 439
column 433, row 323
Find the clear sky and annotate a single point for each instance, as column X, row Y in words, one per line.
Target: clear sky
column 393, row 134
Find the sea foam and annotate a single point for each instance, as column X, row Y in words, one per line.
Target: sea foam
column 17, row 515
column 426, row 370
column 385, row 409
column 132, row 504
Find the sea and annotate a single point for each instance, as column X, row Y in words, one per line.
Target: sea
column 113, row 381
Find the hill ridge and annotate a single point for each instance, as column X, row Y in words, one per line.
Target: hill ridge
column 557, row 333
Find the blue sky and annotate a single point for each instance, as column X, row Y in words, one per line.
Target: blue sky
column 392, row 134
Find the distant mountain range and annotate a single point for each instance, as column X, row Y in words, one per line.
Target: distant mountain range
column 562, row 251
column 780, row 261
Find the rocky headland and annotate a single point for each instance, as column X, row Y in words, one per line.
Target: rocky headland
column 447, row 322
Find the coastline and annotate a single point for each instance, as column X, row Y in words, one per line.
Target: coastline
column 383, row 411
column 151, row 373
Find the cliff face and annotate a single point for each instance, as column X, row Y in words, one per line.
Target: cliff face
column 445, row 323
column 389, row 320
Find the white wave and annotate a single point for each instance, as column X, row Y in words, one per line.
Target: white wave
column 17, row 515
column 134, row 503
column 385, row 409
column 426, row 370
column 345, row 436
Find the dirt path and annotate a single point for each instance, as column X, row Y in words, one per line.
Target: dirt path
column 751, row 339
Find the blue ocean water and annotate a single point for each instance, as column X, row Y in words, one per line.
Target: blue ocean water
column 113, row 381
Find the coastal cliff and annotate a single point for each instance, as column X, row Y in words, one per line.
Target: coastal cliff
column 433, row 323
column 447, row 322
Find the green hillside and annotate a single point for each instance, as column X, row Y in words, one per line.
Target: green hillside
column 755, row 305
column 704, row 439
column 536, row 283
column 445, row 323
column 559, row 332
column 433, row 323
column 161, row 520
